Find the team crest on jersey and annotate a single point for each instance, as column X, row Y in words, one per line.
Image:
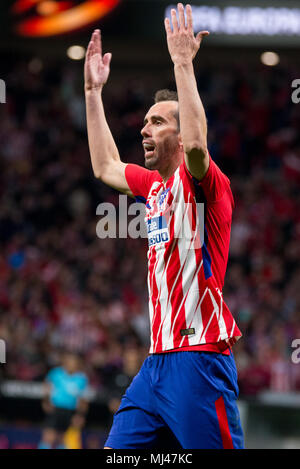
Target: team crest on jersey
column 163, row 198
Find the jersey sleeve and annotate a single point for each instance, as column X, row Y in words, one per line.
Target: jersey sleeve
column 84, row 387
column 140, row 181
column 51, row 375
column 214, row 183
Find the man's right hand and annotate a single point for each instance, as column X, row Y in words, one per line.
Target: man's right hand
column 47, row 406
column 106, row 162
column 96, row 67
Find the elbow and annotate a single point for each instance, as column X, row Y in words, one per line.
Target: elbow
column 97, row 174
column 196, row 148
column 99, row 171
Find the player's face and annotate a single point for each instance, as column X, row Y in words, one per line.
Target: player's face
column 71, row 363
column 161, row 138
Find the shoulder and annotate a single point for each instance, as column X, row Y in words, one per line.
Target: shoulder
column 54, row 372
column 213, row 185
column 135, row 170
column 82, row 379
column 140, row 180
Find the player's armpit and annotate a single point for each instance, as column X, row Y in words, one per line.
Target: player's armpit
column 197, row 161
column 113, row 174
column 214, row 183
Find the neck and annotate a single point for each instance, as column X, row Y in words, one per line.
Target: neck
column 167, row 172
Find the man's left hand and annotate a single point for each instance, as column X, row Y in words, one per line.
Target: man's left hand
column 182, row 43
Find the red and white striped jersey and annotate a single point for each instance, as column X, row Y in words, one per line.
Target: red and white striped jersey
column 188, row 223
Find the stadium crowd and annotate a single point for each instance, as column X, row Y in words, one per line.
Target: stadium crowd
column 63, row 288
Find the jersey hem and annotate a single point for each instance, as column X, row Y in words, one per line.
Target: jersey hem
column 224, row 347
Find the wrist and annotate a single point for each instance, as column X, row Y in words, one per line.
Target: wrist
column 186, row 63
column 93, row 88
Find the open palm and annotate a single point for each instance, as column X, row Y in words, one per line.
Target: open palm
column 182, row 43
column 96, row 68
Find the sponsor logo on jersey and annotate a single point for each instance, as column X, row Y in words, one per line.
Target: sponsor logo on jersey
column 157, row 229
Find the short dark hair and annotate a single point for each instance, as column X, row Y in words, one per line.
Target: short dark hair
column 167, row 95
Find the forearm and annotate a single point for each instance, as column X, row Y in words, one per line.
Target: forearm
column 82, row 407
column 101, row 143
column 193, row 127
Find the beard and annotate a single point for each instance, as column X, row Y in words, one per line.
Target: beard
column 162, row 155
column 152, row 162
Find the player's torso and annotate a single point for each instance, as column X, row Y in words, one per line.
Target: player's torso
column 174, row 235
column 185, row 303
column 66, row 388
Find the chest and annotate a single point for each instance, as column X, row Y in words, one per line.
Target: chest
column 67, row 385
column 170, row 212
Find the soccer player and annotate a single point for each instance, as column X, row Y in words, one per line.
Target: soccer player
column 188, row 383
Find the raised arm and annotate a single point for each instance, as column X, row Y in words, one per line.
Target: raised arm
column 105, row 157
column 183, row 47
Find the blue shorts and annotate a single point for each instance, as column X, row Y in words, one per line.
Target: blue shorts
column 188, row 396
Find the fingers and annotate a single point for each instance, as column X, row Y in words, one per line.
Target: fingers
column 189, row 18
column 107, row 59
column 95, row 45
column 168, row 26
column 179, row 25
column 96, row 37
column 90, row 49
column 201, row 35
column 180, row 9
column 174, row 20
